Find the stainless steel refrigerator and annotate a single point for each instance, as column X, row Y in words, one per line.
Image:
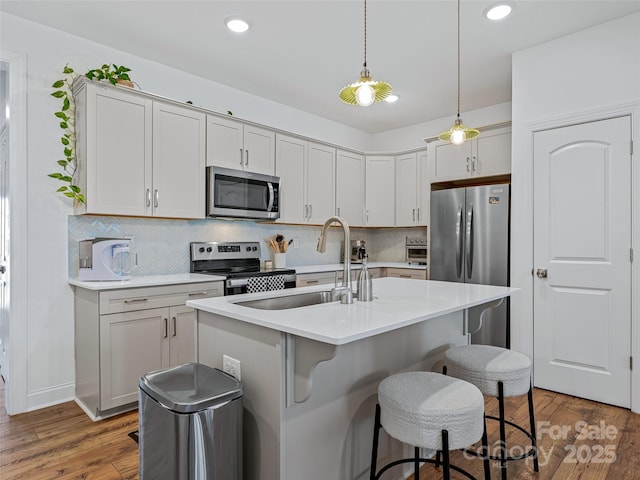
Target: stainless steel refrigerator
column 470, row 243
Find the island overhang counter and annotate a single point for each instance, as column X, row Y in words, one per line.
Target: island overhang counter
column 310, row 374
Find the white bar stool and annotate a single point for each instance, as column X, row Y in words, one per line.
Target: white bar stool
column 500, row 373
column 429, row 410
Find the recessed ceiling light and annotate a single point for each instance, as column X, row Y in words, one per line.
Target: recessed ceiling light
column 498, row 11
column 391, row 98
column 237, row 25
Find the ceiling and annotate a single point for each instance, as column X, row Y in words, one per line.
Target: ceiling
column 301, row 53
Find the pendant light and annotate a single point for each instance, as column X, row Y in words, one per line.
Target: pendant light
column 365, row 91
column 458, row 133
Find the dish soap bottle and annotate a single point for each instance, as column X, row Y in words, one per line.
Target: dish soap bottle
column 365, row 289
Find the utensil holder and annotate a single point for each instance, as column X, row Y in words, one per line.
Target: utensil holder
column 279, row 260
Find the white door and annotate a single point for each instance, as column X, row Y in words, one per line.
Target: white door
column 582, row 238
column 4, row 222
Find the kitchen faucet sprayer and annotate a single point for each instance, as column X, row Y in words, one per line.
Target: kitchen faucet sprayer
column 343, row 292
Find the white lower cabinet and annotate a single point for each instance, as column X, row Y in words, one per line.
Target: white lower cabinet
column 123, row 334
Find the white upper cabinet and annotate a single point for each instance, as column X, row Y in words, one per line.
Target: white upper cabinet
column 487, row 155
column 138, row 156
column 350, row 185
column 233, row 144
column 307, row 180
column 412, row 190
column 380, row 191
column 178, row 162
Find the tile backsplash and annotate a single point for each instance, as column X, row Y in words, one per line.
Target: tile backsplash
column 162, row 245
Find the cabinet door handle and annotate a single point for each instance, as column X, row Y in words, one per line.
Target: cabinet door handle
column 241, row 154
column 474, row 164
column 414, row 214
column 155, row 198
column 148, row 197
column 338, row 211
column 468, row 166
column 310, row 211
column 306, row 211
column 246, row 158
column 166, row 327
column 173, row 321
column 418, row 214
column 367, row 217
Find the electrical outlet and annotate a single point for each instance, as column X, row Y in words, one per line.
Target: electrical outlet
column 296, row 242
column 231, row 366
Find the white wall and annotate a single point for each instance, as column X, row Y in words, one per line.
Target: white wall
column 583, row 76
column 412, row 136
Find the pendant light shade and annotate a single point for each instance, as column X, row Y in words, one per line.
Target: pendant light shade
column 458, row 133
column 365, row 91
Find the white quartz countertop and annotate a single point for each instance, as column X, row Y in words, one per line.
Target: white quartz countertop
column 332, row 267
column 397, row 303
column 147, row 281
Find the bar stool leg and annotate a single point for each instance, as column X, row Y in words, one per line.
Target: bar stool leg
column 416, row 463
column 532, row 423
column 376, row 436
column 446, row 473
column 503, row 434
column 485, row 453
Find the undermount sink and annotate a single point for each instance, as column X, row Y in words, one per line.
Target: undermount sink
column 289, row 301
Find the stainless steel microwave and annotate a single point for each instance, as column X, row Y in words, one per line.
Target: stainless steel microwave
column 240, row 194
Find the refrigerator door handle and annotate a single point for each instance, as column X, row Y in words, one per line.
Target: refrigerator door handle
column 459, row 242
column 469, row 241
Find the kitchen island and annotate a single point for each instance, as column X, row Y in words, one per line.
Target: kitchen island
column 311, row 373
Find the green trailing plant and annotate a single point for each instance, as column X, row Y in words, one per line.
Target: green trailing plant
column 112, row 73
column 66, row 118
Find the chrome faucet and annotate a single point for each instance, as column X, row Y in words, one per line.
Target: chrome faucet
column 344, row 292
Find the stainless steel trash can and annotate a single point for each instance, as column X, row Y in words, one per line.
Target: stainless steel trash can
column 190, row 420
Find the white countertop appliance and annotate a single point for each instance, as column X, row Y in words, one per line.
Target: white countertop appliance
column 239, row 263
column 103, row 259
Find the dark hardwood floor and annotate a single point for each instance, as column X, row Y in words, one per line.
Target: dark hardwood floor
column 578, row 439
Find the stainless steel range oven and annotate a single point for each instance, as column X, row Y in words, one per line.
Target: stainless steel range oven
column 239, row 262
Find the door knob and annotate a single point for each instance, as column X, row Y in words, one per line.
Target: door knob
column 541, row 273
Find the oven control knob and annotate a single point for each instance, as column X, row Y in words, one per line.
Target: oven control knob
column 209, row 249
column 248, row 249
column 201, row 249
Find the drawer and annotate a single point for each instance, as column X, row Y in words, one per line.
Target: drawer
column 308, row 279
column 132, row 299
column 407, row 273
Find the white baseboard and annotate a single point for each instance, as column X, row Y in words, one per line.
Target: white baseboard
column 47, row 397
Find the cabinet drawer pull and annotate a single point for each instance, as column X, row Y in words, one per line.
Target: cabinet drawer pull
column 166, row 327
column 309, row 282
column 405, row 276
column 136, row 300
column 173, row 321
column 193, row 294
